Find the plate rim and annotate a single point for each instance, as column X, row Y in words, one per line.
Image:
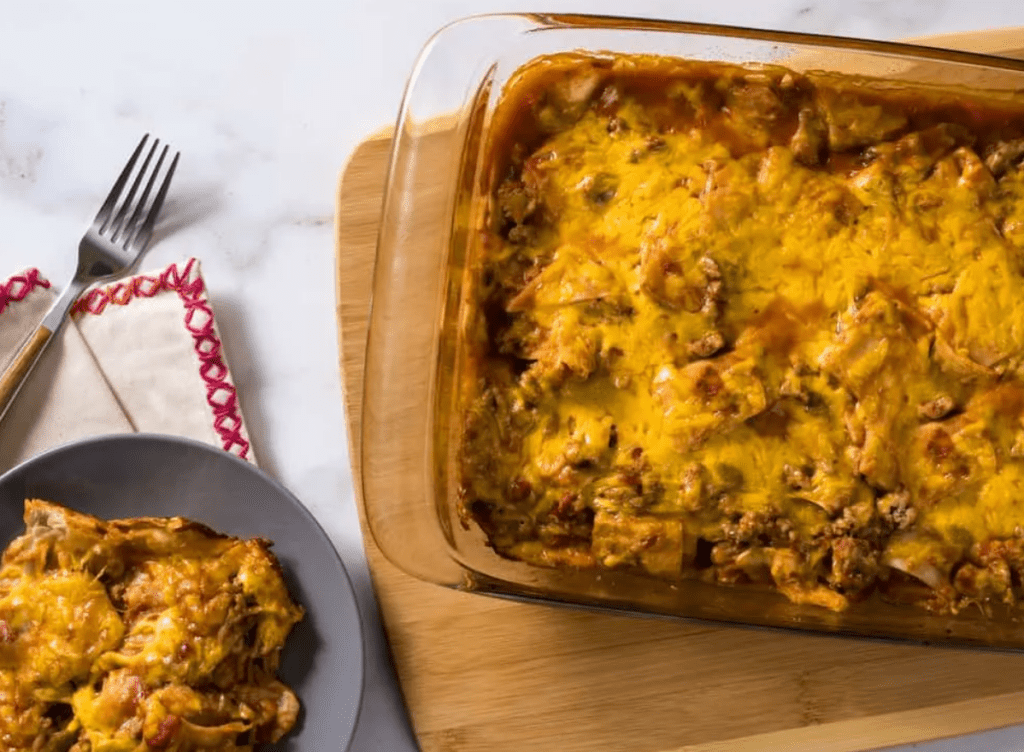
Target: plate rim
column 222, row 455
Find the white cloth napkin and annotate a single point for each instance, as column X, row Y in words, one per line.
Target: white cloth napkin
column 139, row 355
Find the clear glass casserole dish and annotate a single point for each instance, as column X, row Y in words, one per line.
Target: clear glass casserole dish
column 434, row 187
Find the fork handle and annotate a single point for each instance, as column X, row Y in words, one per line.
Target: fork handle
column 14, row 376
column 16, row 372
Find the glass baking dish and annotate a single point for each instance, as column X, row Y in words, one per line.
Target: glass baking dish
column 408, row 483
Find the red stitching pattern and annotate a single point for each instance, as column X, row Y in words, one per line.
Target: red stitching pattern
column 220, row 393
column 19, row 286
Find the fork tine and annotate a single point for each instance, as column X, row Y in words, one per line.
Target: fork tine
column 131, row 225
column 108, row 206
column 145, row 233
column 116, row 225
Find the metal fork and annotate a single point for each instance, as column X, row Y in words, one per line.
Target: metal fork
column 111, row 247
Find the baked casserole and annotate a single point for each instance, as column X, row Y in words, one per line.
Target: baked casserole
column 140, row 634
column 751, row 326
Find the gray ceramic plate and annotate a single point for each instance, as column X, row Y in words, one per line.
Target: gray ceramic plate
column 143, row 475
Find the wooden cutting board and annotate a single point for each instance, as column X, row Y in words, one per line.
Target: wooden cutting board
column 482, row 674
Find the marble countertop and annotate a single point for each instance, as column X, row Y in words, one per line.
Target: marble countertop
column 266, row 100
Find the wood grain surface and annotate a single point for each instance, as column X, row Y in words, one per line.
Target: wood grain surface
column 481, row 674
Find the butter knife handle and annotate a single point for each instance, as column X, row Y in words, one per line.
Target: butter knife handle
column 19, row 368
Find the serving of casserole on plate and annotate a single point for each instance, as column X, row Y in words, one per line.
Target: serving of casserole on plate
column 142, row 632
column 166, row 604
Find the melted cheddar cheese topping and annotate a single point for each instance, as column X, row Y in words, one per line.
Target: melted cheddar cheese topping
column 140, row 634
column 750, row 325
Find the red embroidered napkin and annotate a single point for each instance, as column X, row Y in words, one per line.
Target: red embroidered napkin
column 140, row 354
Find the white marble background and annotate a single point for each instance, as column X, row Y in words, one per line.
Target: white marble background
column 266, row 100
